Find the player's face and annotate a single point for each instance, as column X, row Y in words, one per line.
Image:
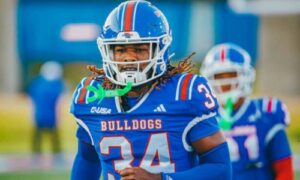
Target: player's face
column 131, row 53
column 226, row 75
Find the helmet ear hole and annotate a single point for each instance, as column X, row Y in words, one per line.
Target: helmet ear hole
column 166, row 40
column 155, row 49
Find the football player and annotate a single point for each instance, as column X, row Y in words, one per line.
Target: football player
column 45, row 92
column 142, row 118
column 254, row 128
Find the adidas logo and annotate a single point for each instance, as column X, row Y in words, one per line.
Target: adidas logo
column 160, row 108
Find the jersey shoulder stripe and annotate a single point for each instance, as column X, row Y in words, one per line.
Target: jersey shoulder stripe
column 81, row 91
column 269, row 104
column 191, row 86
column 184, row 87
column 178, row 87
column 272, row 106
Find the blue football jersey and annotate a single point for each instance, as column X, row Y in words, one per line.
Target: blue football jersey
column 254, row 127
column 154, row 134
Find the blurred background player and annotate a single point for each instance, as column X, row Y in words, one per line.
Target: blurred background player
column 254, row 128
column 165, row 118
column 45, row 91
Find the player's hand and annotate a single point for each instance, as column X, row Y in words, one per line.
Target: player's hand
column 137, row 173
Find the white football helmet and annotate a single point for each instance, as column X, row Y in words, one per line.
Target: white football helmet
column 224, row 58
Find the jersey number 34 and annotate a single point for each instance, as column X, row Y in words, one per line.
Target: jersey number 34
column 157, row 148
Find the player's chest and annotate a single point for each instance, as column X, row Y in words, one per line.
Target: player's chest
column 146, row 141
column 137, row 131
column 245, row 142
column 136, row 125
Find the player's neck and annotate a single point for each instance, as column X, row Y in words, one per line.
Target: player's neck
column 135, row 94
column 138, row 91
column 239, row 103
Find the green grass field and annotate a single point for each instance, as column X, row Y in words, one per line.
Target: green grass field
column 16, row 126
column 36, row 175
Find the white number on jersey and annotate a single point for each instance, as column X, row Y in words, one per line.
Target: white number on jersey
column 158, row 146
column 210, row 103
column 251, row 145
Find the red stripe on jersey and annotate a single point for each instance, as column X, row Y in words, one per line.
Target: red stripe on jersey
column 83, row 91
column 283, row 169
column 269, row 105
column 222, row 53
column 184, row 87
column 128, row 16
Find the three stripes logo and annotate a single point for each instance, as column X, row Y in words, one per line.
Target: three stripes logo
column 160, row 108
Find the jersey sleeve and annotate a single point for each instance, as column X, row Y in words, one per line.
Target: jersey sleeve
column 280, row 156
column 203, row 105
column 203, row 129
column 86, row 163
column 203, row 100
column 278, row 118
column 80, row 108
column 79, row 103
column 83, row 135
column 276, row 110
column 278, row 148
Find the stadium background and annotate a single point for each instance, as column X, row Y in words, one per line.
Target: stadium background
column 34, row 31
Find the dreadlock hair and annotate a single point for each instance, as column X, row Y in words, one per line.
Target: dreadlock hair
column 183, row 66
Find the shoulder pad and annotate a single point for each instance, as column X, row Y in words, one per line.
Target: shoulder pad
column 195, row 90
column 81, row 93
column 274, row 107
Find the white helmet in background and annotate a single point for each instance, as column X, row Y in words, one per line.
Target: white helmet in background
column 229, row 58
